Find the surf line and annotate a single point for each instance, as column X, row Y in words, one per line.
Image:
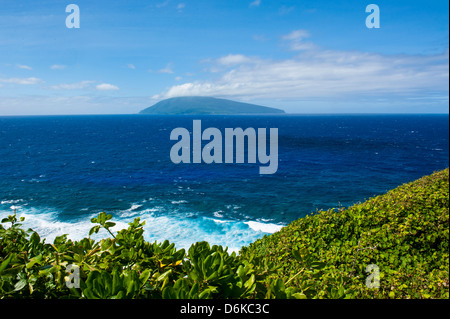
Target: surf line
column 213, row 151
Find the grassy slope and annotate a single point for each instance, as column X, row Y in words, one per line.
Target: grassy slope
column 404, row 232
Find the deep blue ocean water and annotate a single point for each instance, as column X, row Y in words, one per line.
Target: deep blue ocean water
column 60, row 171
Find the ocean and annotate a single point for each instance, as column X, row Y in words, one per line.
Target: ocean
column 60, row 171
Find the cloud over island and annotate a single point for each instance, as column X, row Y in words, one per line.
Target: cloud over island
column 314, row 72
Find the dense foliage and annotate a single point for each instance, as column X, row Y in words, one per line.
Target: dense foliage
column 405, row 233
column 126, row 266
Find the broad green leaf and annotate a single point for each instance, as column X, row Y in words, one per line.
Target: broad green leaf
column 5, row 263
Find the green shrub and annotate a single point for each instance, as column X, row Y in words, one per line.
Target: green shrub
column 405, row 233
column 126, row 266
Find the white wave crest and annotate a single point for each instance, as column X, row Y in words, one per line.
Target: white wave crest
column 181, row 229
column 264, row 227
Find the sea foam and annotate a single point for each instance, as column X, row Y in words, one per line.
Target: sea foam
column 264, row 227
column 181, row 229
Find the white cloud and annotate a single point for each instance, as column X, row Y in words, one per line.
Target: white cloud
column 296, row 35
column 255, row 3
column 58, row 67
column 162, row 4
column 83, row 85
column 317, row 73
column 181, row 6
column 233, row 59
column 77, row 104
column 24, row 67
column 168, row 69
column 131, row 66
column 71, row 86
column 285, row 10
column 296, row 41
column 22, row 81
column 106, row 87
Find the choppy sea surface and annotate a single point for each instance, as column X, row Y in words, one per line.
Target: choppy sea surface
column 60, row 171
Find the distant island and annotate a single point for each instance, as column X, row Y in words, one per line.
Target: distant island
column 206, row 105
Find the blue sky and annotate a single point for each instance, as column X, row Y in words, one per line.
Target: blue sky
column 301, row 56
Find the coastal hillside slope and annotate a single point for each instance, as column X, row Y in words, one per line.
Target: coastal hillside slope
column 201, row 105
column 398, row 242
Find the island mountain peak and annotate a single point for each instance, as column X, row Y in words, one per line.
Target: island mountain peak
column 206, row 105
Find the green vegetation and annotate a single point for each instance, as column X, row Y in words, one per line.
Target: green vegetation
column 198, row 105
column 405, row 233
